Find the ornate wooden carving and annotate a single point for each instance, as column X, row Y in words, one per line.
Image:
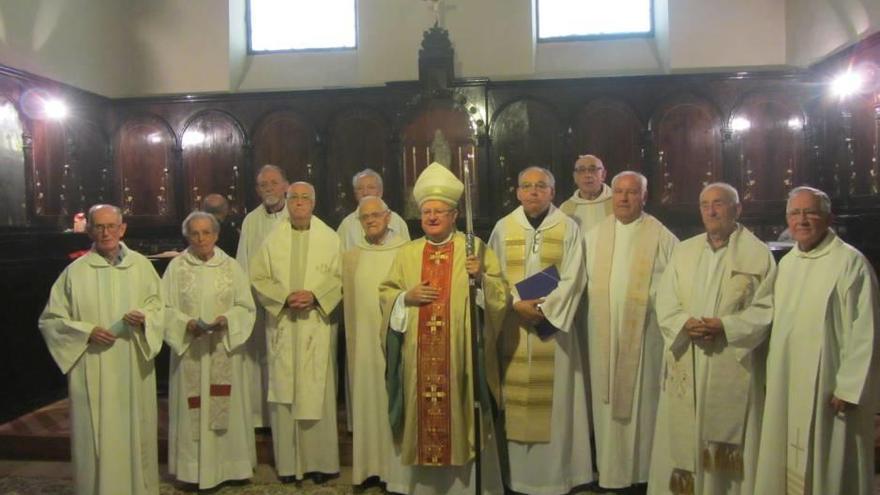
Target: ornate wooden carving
column 610, row 129
column 687, row 137
column 285, row 139
column 524, row 133
column 768, row 136
column 358, row 138
column 144, row 162
column 213, row 160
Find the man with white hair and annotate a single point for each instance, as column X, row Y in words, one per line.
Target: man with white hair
column 103, row 325
column 296, row 277
column 545, row 402
column 714, row 306
column 364, row 267
column 818, row 427
column 626, row 255
column 365, row 183
column 271, row 186
column 591, row 201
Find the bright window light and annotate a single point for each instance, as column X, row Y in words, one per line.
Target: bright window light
column 846, row 84
column 277, row 25
column 578, row 18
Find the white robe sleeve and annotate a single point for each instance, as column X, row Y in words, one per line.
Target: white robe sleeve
column 271, row 293
column 671, row 315
column 176, row 336
column 149, row 340
column 561, row 305
column 397, row 322
column 749, row 328
column 66, row 338
column 241, row 316
column 860, row 320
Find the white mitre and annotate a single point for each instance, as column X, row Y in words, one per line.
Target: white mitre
column 437, row 182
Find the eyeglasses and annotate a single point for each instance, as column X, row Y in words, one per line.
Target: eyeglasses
column 106, row 227
column 538, row 186
column 372, row 216
column 294, row 197
column 430, row 212
column 588, row 170
column 809, row 213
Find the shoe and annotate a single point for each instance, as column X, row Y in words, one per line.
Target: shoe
column 320, row 478
column 287, row 479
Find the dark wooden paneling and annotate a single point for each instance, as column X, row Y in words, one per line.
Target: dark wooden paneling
column 525, row 133
column 143, row 156
column 89, row 179
column 49, row 159
column 13, row 202
column 687, row 138
column 285, row 139
column 610, row 129
column 768, row 136
column 358, row 138
column 213, row 160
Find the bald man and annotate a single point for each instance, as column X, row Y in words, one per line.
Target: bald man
column 591, row 202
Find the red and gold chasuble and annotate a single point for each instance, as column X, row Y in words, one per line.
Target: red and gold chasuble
column 435, row 417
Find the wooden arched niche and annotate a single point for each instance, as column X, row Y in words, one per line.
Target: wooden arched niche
column 525, row 133
column 143, row 159
column 213, row 144
column 609, row 129
column 768, row 137
column 358, row 138
column 285, row 138
column 687, row 141
column 13, row 179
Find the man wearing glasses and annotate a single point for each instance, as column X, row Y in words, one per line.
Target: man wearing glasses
column 103, row 325
column 818, row 427
column 296, row 277
column 365, row 183
column 591, row 201
column 427, row 323
column 545, row 403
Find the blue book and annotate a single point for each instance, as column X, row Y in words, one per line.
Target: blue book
column 537, row 286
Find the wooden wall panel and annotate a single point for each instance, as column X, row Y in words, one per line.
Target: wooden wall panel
column 89, row 178
column 13, row 200
column 768, row 137
column 285, row 139
column 610, row 129
column 213, row 160
column 687, row 138
column 49, row 159
column 144, row 160
column 358, row 138
column 525, row 133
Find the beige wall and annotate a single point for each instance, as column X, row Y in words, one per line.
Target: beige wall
column 148, row 47
column 83, row 43
column 817, row 28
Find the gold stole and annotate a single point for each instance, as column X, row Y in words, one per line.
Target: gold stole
column 528, row 360
column 219, row 390
column 632, row 329
column 434, row 412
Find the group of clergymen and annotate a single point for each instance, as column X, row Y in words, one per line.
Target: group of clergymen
column 697, row 367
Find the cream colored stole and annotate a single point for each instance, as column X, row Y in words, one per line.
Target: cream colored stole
column 629, row 348
column 219, row 390
column 528, row 362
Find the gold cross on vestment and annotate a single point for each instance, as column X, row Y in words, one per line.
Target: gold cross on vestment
column 434, row 323
column 434, row 395
column 438, row 256
column 798, row 448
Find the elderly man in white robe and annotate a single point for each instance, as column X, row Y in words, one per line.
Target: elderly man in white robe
column 545, row 404
column 818, row 428
column 591, row 201
column 209, row 315
column 103, row 325
column 296, row 276
column 365, row 183
column 714, row 305
column 271, row 186
column 364, row 267
column 626, row 255
column 430, row 369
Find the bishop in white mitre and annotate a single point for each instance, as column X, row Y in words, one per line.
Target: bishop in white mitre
column 271, row 186
column 545, row 404
column 626, row 255
column 818, row 426
column 209, row 315
column 296, row 276
column 714, row 305
column 364, row 267
column 103, row 326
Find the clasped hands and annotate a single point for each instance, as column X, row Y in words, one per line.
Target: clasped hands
column 218, row 325
column 703, row 330
column 101, row 335
column 301, row 300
